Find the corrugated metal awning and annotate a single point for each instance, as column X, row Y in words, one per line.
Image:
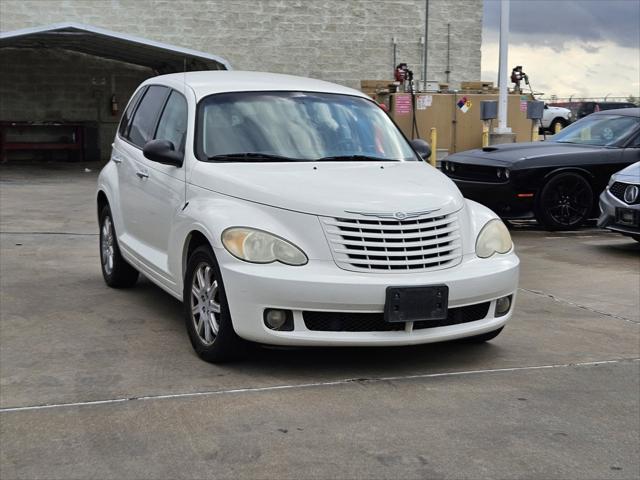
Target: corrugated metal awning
column 99, row 42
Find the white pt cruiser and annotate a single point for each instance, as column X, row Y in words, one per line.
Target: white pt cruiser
column 289, row 211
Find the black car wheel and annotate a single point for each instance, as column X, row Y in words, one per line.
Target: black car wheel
column 565, row 202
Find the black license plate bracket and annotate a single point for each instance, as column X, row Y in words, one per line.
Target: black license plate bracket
column 416, row 304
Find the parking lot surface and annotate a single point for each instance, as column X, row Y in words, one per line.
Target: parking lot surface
column 103, row 383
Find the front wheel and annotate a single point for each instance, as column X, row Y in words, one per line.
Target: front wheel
column 206, row 310
column 565, row 202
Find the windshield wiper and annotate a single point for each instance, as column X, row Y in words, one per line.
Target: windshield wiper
column 250, row 156
column 354, row 158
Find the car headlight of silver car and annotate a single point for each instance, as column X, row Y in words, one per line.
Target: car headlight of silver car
column 257, row 246
column 493, row 238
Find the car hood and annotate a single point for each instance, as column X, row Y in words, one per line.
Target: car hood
column 629, row 174
column 510, row 153
column 333, row 188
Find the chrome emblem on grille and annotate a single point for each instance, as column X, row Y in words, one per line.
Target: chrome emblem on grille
column 631, row 194
column 395, row 215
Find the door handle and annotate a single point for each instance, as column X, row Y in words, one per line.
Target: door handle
column 142, row 174
column 116, row 159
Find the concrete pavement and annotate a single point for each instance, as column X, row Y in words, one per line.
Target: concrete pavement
column 440, row 411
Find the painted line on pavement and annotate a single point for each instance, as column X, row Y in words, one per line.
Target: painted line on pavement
column 312, row 385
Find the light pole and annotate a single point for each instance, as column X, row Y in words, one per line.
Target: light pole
column 504, row 52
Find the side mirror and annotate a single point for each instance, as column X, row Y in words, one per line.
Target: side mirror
column 422, row 147
column 163, row 151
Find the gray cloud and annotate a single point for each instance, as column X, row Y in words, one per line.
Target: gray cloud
column 552, row 23
column 590, row 48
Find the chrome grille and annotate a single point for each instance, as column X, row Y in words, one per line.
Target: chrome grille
column 395, row 246
column 618, row 189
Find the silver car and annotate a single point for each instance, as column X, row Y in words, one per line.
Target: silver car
column 620, row 202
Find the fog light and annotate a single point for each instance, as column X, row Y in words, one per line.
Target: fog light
column 281, row 320
column 503, row 305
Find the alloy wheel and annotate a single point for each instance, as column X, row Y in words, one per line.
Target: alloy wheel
column 205, row 304
column 570, row 201
column 107, row 245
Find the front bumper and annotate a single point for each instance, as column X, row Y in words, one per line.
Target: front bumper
column 502, row 198
column 608, row 220
column 320, row 286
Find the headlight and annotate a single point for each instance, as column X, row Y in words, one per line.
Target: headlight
column 494, row 238
column 257, row 246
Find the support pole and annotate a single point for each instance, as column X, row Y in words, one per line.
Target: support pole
column 433, row 159
column 557, row 128
column 504, row 52
column 534, row 131
column 426, row 42
column 485, row 133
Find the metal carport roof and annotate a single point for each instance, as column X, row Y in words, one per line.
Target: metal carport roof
column 161, row 57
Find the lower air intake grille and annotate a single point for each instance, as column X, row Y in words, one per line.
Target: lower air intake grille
column 374, row 322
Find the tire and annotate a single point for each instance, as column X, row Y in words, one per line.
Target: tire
column 565, row 202
column 117, row 273
column 485, row 337
column 207, row 315
column 556, row 121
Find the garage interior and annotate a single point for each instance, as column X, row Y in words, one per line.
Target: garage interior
column 65, row 86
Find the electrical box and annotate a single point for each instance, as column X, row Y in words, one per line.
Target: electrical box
column 535, row 110
column 488, row 109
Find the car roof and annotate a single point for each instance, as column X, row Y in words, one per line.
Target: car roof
column 219, row 81
column 630, row 112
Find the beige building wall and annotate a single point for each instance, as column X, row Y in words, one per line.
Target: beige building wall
column 337, row 40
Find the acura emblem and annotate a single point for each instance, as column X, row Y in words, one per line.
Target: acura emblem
column 631, row 194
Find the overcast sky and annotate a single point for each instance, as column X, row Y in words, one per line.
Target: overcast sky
column 584, row 48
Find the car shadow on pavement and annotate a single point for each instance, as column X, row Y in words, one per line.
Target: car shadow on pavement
column 333, row 362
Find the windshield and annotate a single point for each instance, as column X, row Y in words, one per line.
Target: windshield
column 286, row 126
column 601, row 130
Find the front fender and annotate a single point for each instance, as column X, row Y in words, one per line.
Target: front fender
column 210, row 213
column 477, row 216
column 108, row 184
column 579, row 170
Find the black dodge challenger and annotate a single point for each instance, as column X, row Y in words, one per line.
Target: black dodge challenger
column 557, row 181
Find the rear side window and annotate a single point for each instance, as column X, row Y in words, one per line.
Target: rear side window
column 126, row 116
column 173, row 121
column 145, row 118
